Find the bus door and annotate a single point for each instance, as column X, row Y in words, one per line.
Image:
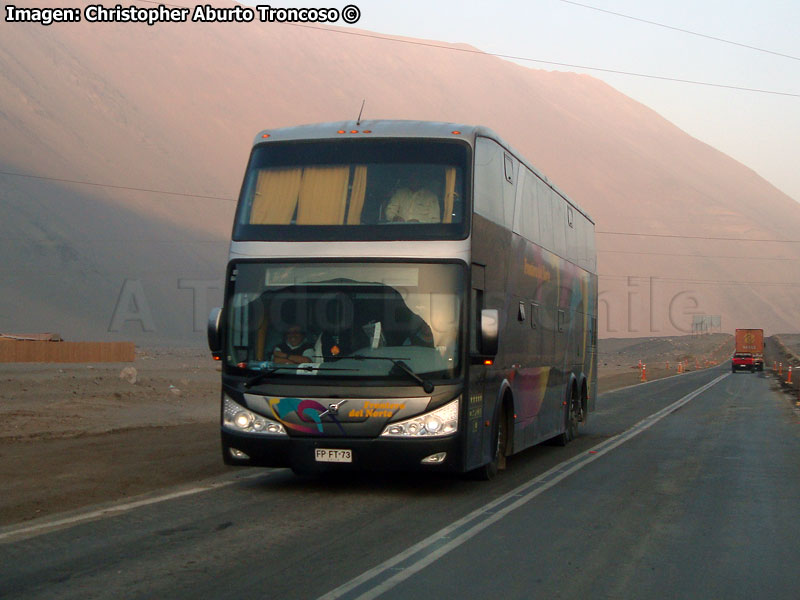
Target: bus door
column 477, row 405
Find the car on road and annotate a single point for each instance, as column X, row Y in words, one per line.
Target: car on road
column 742, row 361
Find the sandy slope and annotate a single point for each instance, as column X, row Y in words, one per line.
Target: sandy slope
column 174, row 108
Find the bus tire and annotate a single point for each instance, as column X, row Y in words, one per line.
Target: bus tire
column 500, row 442
column 584, row 414
column 571, row 417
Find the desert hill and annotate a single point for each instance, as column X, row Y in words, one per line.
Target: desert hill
column 173, row 108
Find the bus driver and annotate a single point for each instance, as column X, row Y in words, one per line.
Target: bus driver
column 294, row 350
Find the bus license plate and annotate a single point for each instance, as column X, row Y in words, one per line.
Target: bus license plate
column 332, row 455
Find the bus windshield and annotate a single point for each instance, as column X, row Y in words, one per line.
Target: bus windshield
column 354, row 189
column 345, row 320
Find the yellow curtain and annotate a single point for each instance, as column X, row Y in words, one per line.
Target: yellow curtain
column 449, row 194
column 276, row 196
column 323, row 196
column 357, row 194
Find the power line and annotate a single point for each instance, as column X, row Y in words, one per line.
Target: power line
column 701, row 281
column 183, row 274
column 226, row 241
column 548, row 62
column 116, row 187
column 696, row 237
column 527, row 59
column 221, row 198
column 702, row 35
column 187, row 195
column 694, row 255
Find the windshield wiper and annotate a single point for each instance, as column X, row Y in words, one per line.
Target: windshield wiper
column 427, row 386
column 265, row 374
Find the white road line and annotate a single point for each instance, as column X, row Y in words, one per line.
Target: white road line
column 417, row 557
column 48, row 524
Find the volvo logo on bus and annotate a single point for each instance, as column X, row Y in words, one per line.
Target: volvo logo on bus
column 333, row 409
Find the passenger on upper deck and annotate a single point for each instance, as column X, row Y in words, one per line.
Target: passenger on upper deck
column 415, row 203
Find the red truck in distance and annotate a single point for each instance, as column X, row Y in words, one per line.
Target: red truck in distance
column 749, row 352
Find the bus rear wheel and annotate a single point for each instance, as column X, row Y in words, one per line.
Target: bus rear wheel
column 571, row 418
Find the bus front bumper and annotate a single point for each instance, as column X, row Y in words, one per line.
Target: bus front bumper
column 379, row 454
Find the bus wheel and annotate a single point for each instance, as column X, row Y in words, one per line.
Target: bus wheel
column 500, row 437
column 571, row 422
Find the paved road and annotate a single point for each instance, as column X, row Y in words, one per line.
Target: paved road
column 701, row 503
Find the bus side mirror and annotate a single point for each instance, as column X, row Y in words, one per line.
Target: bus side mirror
column 214, row 342
column 490, row 331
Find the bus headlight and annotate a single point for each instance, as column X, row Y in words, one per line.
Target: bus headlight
column 243, row 419
column 440, row 422
column 238, row 418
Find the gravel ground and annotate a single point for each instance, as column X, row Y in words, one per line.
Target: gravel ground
column 75, row 435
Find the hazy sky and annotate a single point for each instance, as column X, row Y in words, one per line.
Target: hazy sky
column 760, row 130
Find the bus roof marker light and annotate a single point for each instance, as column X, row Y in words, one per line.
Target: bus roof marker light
column 367, row 131
column 265, row 136
column 341, row 131
column 456, row 132
column 354, row 131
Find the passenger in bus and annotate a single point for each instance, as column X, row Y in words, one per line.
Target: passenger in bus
column 415, row 203
column 419, row 333
column 295, row 349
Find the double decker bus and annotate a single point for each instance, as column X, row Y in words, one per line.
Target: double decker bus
column 402, row 295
